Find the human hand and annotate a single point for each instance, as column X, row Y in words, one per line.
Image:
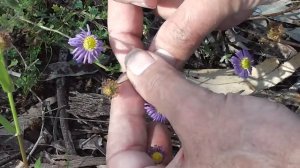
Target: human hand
column 188, row 22
column 215, row 130
column 125, row 28
column 129, row 136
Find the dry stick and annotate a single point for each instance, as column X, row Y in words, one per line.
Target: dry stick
column 10, row 158
column 263, row 36
column 61, row 102
column 22, row 58
column 42, row 127
column 72, row 119
column 275, row 14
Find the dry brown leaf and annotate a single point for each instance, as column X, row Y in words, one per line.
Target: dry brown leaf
column 265, row 75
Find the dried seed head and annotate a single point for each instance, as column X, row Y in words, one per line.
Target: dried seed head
column 5, row 40
column 275, row 32
column 110, row 88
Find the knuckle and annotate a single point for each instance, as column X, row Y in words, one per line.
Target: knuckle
column 181, row 34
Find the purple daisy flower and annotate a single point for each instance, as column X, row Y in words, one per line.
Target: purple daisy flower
column 87, row 47
column 242, row 63
column 154, row 114
column 157, row 154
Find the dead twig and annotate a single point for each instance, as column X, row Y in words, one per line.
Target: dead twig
column 21, row 56
column 296, row 7
column 62, row 101
column 45, row 107
column 12, row 157
column 268, row 39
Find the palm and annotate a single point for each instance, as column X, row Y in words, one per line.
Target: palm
column 246, row 132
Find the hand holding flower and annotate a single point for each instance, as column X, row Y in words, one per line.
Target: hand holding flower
column 215, row 130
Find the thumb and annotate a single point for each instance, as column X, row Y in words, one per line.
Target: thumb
column 167, row 89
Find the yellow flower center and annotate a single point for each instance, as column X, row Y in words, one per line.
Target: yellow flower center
column 157, row 157
column 89, row 43
column 245, row 63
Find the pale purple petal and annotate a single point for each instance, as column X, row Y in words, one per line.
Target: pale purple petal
column 235, row 60
column 79, row 53
column 244, row 74
column 152, row 112
column 239, row 54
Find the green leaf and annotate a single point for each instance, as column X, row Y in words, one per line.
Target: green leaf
column 7, row 126
column 11, row 3
column 38, row 163
column 78, row 4
column 13, row 63
column 93, row 11
column 5, row 79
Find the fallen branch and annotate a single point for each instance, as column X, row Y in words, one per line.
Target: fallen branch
column 61, row 103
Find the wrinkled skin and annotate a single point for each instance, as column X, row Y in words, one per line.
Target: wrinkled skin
column 215, row 130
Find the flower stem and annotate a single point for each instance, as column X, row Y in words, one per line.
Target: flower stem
column 18, row 130
column 102, row 66
column 44, row 27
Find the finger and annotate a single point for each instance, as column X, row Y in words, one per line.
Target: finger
column 178, row 159
column 159, row 135
column 183, row 31
column 165, row 88
column 166, row 8
column 142, row 3
column 125, row 27
column 127, row 134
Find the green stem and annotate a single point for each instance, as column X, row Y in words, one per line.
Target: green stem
column 44, row 27
column 101, row 66
column 18, row 130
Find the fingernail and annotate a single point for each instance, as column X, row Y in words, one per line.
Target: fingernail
column 122, row 78
column 143, row 4
column 166, row 56
column 137, row 61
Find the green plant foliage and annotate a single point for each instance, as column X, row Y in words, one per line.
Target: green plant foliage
column 7, row 126
column 39, row 26
column 5, row 80
column 38, row 163
column 30, row 75
column 226, row 58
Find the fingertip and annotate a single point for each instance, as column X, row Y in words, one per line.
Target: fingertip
column 151, row 4
column 159, row 136
column 144, row 5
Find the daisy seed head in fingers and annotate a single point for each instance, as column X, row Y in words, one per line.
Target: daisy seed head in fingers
column 157, row 154
column 242, row 63
column 154, row 114
column 87, row 47
column 110, row 88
